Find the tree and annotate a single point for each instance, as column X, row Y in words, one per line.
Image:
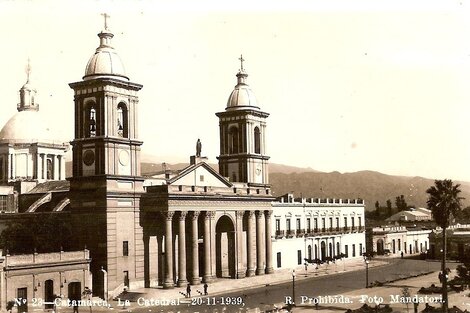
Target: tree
column 405, row 292
column 34, row 234
column 377, row 209
column 389, row 207
column 401, row 203
column 444, row 203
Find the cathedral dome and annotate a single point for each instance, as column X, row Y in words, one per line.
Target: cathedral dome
column 242, row 96
column 26, row 127
column 105, row 62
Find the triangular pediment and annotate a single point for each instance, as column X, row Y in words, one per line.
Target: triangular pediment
column 200, row 174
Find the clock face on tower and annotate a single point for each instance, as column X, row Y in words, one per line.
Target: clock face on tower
column 258, row 169
column 123, row 157
column 88, row 157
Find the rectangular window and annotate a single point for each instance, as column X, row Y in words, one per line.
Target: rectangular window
column 278, row 224
column 353, row 250
column 359, row 220
column 315, row 224
column 360, row 249
column 352, row 221
column 308, row 224
column 298, row 224
column 278, row 259
column 201, row 177
column 299, row 257
column 331, row 222
column 345, row 222
column 346, row 252
column 323, row 223
column 3, row 203
column 337, row 222
column 288, row 224
column 125, row 248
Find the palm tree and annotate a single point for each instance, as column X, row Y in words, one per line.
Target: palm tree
column 444, row 203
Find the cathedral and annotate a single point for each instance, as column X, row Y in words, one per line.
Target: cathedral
column 176, row 228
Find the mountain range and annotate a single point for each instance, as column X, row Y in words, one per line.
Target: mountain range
column 368, row 185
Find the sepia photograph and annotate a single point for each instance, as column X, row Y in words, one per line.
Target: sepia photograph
column 182, row 156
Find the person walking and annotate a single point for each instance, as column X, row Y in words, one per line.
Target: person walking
column 188, row 291
column 205, row 289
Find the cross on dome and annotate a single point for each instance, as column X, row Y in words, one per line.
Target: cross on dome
column 106, row 16
column 241, row 62
column 28, row 70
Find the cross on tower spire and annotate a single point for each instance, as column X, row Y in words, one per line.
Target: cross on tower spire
column 241, row 62
column 106, row 16
column 28, row 70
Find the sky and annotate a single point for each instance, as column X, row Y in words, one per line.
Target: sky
column 349, row 85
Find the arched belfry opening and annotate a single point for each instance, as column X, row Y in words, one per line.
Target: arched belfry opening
column 225, row 247
column 90, row 120
column 257, row 136
column 122, row 120
column 233, row 140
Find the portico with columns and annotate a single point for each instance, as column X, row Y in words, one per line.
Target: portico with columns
column 214, row 228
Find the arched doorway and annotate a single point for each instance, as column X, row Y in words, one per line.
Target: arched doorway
column 309, row 252
column 330, row 250
column 380, row 247
column 49, row 294
column 225, row 247
column 316, row 252
column 323, row 250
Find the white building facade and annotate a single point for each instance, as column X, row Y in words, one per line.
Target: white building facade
column 316, row 229
column 397, row 239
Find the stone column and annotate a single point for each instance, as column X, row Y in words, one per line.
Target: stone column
column 168, row 282
column 250, row 236
column 44, row 166
column 207, row 246
column 13, row 165
column 195, row 249
column 182, row 250
column 160, row 259
column 240, row 270
column 62, row 167
column 260, row 242
column 56, row 167
column 37, row 173
column 146, row 261
column 269, row 249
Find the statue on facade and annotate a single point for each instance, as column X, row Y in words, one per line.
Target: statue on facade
column 198, row 148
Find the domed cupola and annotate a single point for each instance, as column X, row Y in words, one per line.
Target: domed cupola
column 242, row 96
column 28, row 94
column 105, row 62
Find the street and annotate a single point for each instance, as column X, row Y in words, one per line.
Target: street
column 311, row 286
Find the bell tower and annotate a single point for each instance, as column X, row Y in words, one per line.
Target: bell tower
column 106, row 185
column 242, row 136
column 106, row 106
